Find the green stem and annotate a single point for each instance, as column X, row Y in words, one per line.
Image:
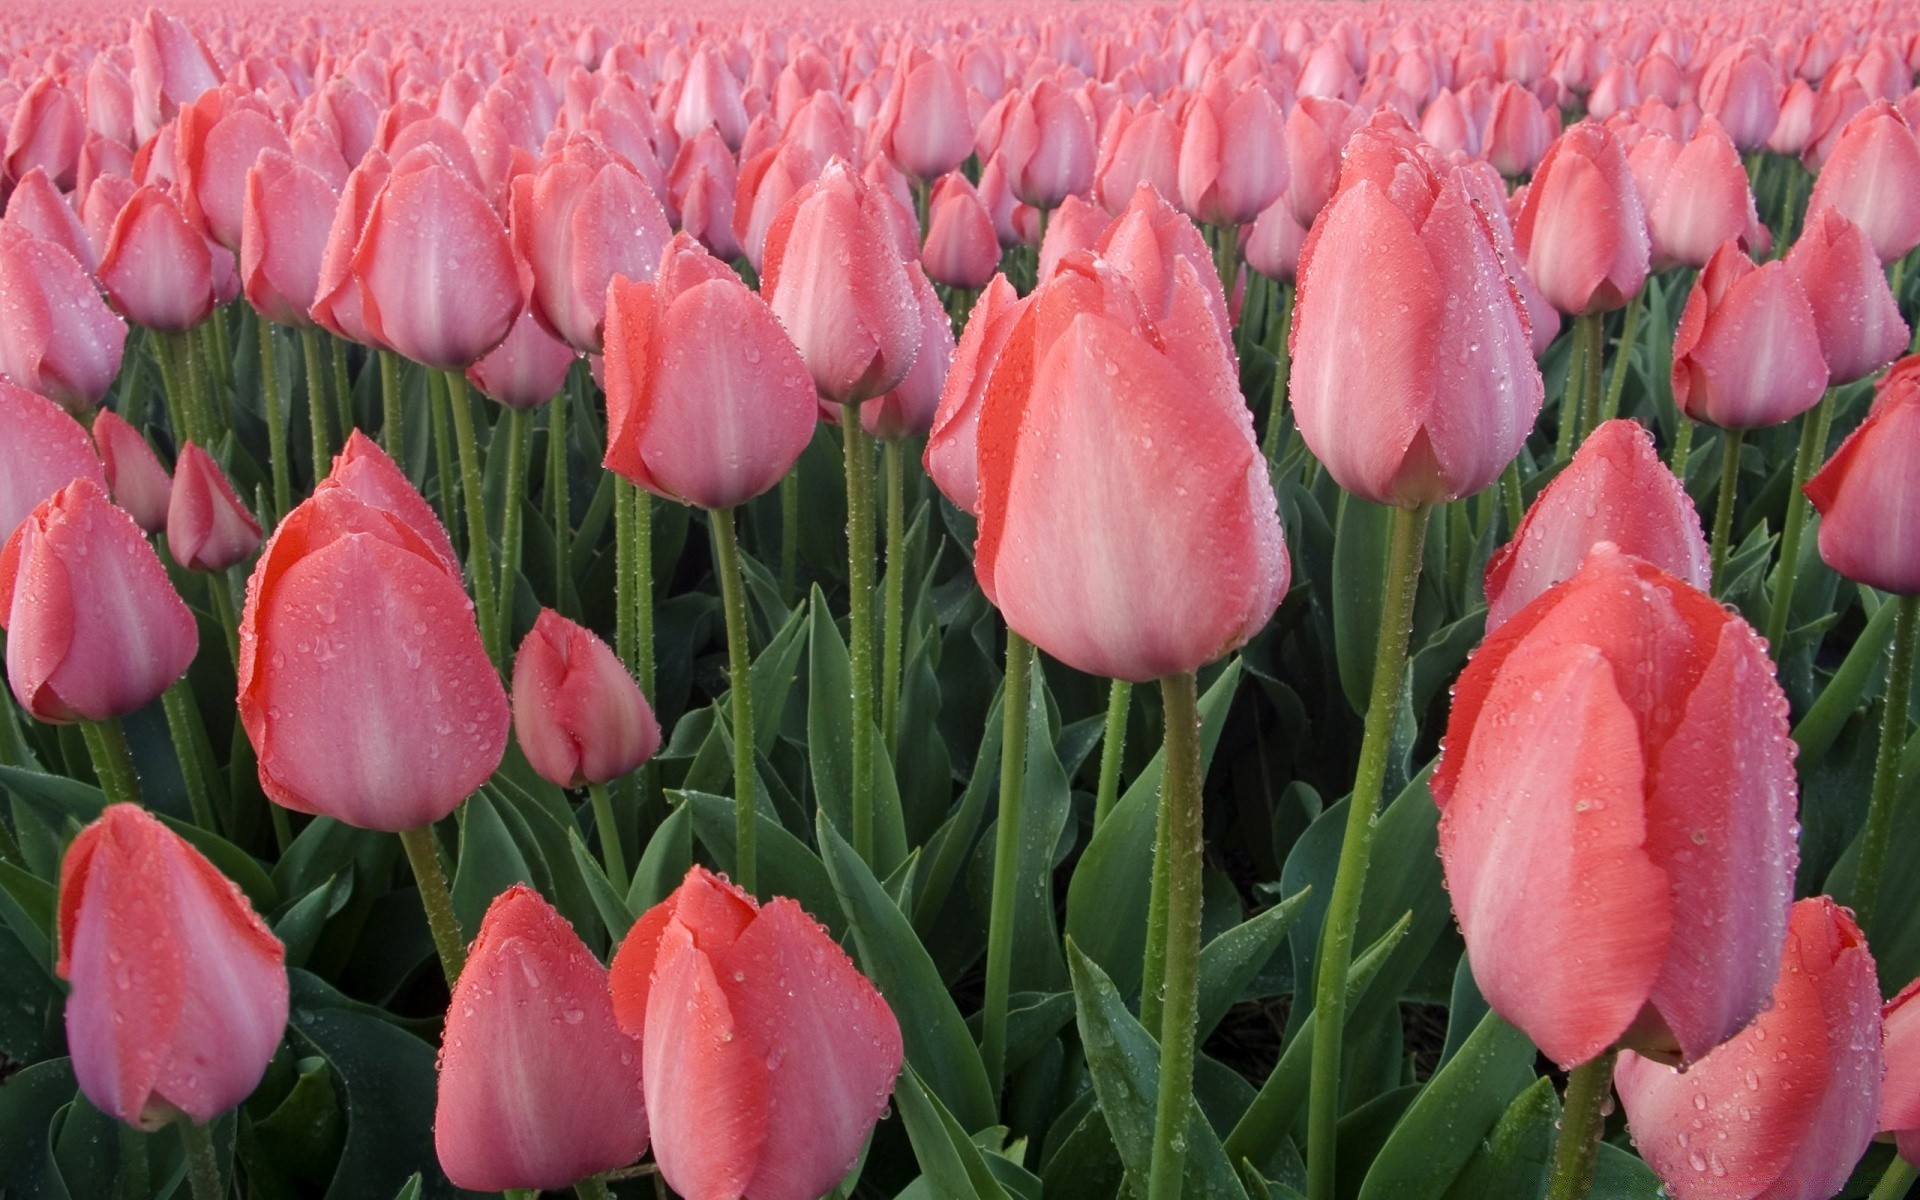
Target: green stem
column 276, row 424
column 176, row 700
column 1511, row 495
column 337, row 347
column 519, row 438
column 1282, row 364
column 859, row 466
column 623, row 579
column 1113, row 748
column 1583, row 1119
column 641, row 531
column 1789, row 201
column 207, row 397
column 1180, row 795
column 559, row 504
column 221, row 594
column 316, row 403
column 1895, row 1184
column 892, row 618
column 1622, row 358
column 1813, row 443
column 1567, row 438
column 1590, row 395
column 112, row 761
column 171, row 386
column 610, row 848
column 443, row 454
column 592, row 1188
column 1226, row 257
column 1682, row 447
column 423, row 852
column 222, row 359
column 733, row 595
column 479, row 549
column 1356, row 846
column 203, row 1166
column 1732, row 440
column 790, row 531
column 392, row 417
column 1014, row 701
column 134, row 1175
column 1886, row 767
column 1153, row 960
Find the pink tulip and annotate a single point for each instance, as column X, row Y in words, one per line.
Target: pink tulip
column 59, row 338
column 286, row 217
column 45, row 134
column 208, row 529
column 908, row 410
column 1747, row 352
column 219, row 142
column 1232, row 155
column 1581, row 231
column 1518, row 133
column 924, row 125
column 37, row 209
column 1702, row 201
column 1868, row 488
column 1445, row 124
column 156, row 268
column 1271, row 245
column 135, row 477
column 1047, row 145
column 1794, row 129
column 1742, row 90
column 1854, row 311
column 1146, row 242
column 577, row 714
column 701, row 187
column 952, row 458
column 1317, row 131
column 709, row 95
column 42, row 449
column 337, row 303
column 961, row 250
column 1872, row 177
column 1900, row 1094
column 1075, row 226
column 171, row 67
column 1142, row 146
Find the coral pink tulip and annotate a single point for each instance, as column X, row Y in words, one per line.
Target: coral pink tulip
column 288, row 212
column 59, row 338
column 924, row 126
column 1868, row 489
column 961, row 250
column 1233, row 159
column 1900, row 1095
column 42, row 449
column 1048, row 146
column 1872, row 177
column 1859, row 323
column 1138, row 147
column 1747, row 353
column 908, row 410
column 577, row 714
column 527, row 369
column 156, row 267
column 208, row 529
column 1581, row 230
column 952, row 458
column 1702, row 201
column 135, row 478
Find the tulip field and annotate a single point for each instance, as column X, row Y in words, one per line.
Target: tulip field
column 1295, row 600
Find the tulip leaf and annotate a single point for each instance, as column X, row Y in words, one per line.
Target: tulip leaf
column 771, row 678
column 305, row 1132
column 1512, row 1160
column 1083, row 1164
column 937, row 1042
column 830, row 745
column 489, row 863
column 30, row 1014
column 28, row 1103
column 1618, row 1175
column 1453, row 1112
column 607, row 900
column 1124, row 1061
column 664, row 863
column 300, row 926
column 786, row 866
column 1817, row 730
column 949, row 1160
column 1229, row 962
column 946, row 851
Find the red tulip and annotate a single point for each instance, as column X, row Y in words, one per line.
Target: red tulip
column 1625, row 731
column 435, row 270
column 135, row 478
column 59, row 338
column 924, row 126
column 961, row 250
column 834, row 278
column 768, row 1057
column 1900, row 1095
column 1702, row 201
column 1150, row 544
column 363, row 683
column 1872, row 177
column 179, row 991
column 952, row 458
column 700, row 419
column 1868, row 490
column 527, row 369
column 908, row 410
column 1402, row 258
column 155, row 266
column 1615, row 490
column 1581, row 230
column 1747, row 352
column 1784, row 1110
column 577, row 714
column 287, row 215
column 1854, row 311
column 94, row 627
column 1141, row 146
column 208, row 529
column 538, row 1087
column 42, row 449
column 1047, row 145
column 1233, row 159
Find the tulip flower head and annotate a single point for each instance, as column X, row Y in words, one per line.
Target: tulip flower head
column 1581, row 230
column 577, row 714
column 1747, row 353
column 208, row 529
column 1868, row 494
column 135, row 478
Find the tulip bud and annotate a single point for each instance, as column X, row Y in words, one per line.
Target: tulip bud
column 135, row 477
column 42, row 449
column 952, row 459
column 1146, row 242
column 1581, row 230
column 1271, row 245
column 1872, row 177
column 961, row 250
column 69, row 576
column 1900, row 1097
column 1317, row 131
column 702, row 187
column 1747, row 352
column 1615, row 490
column 1785, row 1109
column 709, row 95
column 577, row 714
column 1868, row 488
column 38, row 209
column 1626, row 731
column 208, row 529
column 538, row 1087
column 45, row 133
column 156, row 267
column 1853, row 308
column 527, row 369
column 337, row 304
column 1518, row 132
column 179, row 991
column 1233, row 159
column 171, row 67
column 1703, row 201
column 768, row 1057
column 287, row 214
column 59, row 338
column 219, row 143
column 1047, row 145
column 1742, row 90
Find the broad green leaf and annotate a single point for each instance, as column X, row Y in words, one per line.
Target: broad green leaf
column 611, row 905
column 949, row 1161
column 28, row 1103
column 1229, row 962
column 1362, row 531
column 786, row 866
column 664, row 863
column 830, row 744
column 1512, row 1160
column 489, row 862
column 1619, row 1175
column 772, row 675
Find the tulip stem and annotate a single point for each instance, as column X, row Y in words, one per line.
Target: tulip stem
column 1583, row 1118
column 1512, row 496
column 610, row 848
column 443, row 454
column 1570, row 407
column 203, row 1166
column 894, row 456
column 1895, row 1184
column 1180, row 797
column 1590, row 391
column 859, row 466
column 1813, row 444
column 518, row 432
column 1153, row 959
column 1732, row 441
column 337, row 349
column 790, row 530
column 207, row 405
column 392, row 419
column 276, row 424
column 177, row 701
column 479, row 551
column 1282, row 364
column 316, row 403
column 558, row 502
column 1226, row 257
column 623, row 608
column 1886, row 767
column 170, row 385
column 1682, row 448
column 423, row 853
column 592, row 1188
column 733, row 595
column 1014, row 699
column 1356, row 846
column 1113, row 748
column 112, row 761
column 1622, row 360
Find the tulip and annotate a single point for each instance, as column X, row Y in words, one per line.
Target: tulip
column 42, row 449
column 526, row 370
column 1747, row 353
column 1271, row 245
column 1703, row 201
column 907, row 411
column 179, row 991
column 952, row 457
column 961, row 250
column 1317, row 131
column 701, row 188
column 171, row 67
column 1047, row 146
column 1139, row 147
column 1624, row 730
column 539, row 1088
column 1854, row 311
column 337, row 304
column 208, row 529
column 1868, row 489
column 1900, row 1095
column 1872, row 177
column 287, row 215
column 1615, row 490
column 1146, row 242
column 1444, row 123
column 135, row 478
column 219, row 143
column 1402, row 258
column 1581, row 230
column 94, row 627
column 1742, row 91
column 1075, row 226
column 1794, row 129
column 59, row 338
column 767, row 1056
column 1014, row 223
column 577, row 714
column 45, row 133
column 155, row 267
column 709, row 95
column 38, row 209
column 924, row 126
column 1232, row 154
column 1518, row 132
column 1784, row 1110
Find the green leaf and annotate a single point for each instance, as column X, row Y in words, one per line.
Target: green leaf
column 1512, row 1161
column 830, row 745
column 490, row 862
column 1619, row 1175
column 28, row 1103
column 1362, row 530
column 299, row 928
column 607, row 900
column 664, row 863
column 772, row 676
column 1229, row 962
column 787, row 867
column 949, row 1161
column 937, row 1042
column 1822, row 723
column 304, row 1134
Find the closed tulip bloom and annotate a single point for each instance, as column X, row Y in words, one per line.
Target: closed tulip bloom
column 539, row 1088
column 1014, row 223
column 1271, row 245
column 171, row 67
column 45, row 133
column 1413, row 377
column 1868, row 494
column 1872, row 177
column 208, row 529
column 698, row 418
column 1518, row 133
column 1794, row 130
column 1233, row 160
column 436, row 273
column 710, row 95
column 1747, row 351
column 135, row 478
column 156, row 268
column 701, row 188
column 952, row 458
column 1138, row 147
column 961, row 250
column 1444, row 123
column 42, row 449
column 39, row 209
column 337, row 304
column 1900, row 1094
column 1047, row 146
column 924, row 125
column 833, row 276
column 1317, row 131
column 179, row 991
column 1146, row 242
column 94, row 627
column 1581, row 231
column 1623, row 730
column 59, row 337
column 219, row 143
column 907, row 411
column 1150, row 544
column 1703, row 201
column 527, row 369
column 1859, row 323
column 768, row 1057
column 1075, row 226
column 363, row 683
column 1742, row 90
column 577, row 714
column 1784, row 1110
column 288, row 212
